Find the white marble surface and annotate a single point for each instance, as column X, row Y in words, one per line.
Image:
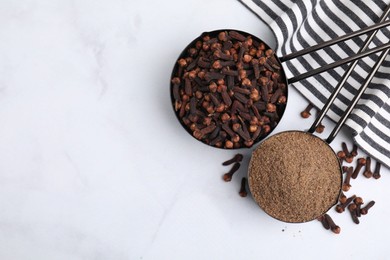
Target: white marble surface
column 94, row 165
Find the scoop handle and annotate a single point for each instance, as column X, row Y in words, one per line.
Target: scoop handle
column 347, row 73
column 373, row 28
column 351, row 106
column 338, row 63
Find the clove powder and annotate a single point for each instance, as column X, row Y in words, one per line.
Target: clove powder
column 295, row 176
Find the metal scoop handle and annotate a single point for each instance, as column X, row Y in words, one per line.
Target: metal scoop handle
column 341, row 83
column 361, row 54
column 342, row 120
column 338, row 63
column 343, row 80
column 382, row 23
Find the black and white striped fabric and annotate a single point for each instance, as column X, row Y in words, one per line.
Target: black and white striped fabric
column 298, row 24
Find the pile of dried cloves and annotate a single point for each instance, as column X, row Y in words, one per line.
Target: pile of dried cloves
column 228, row 89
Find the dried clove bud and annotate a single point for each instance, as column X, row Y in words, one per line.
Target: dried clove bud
column 346, row 151
column 243, row 192
column 352, row 209
column 324, row 222
column 342, row 198
column 306, row 113
column 346, row 184
column 320, row 128
column 341, row 155
column 364, row 210
column 341, row 207
column 354, row 151
column 335, row 229
column 345, row 148
column 237, row 158
column 359, row 202
column 228, row 176
column 377, row 171
column 359, row 165
column 368, row 173
column 237, row 36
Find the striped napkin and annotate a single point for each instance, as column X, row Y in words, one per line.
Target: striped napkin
column 298, row 24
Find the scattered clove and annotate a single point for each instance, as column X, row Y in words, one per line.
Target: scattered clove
column 354, row 151
column 341, row 156
column 365, row 209
column 340, row 208
column 368, row 173
column 377, row 170
column 228, row 176
column 348, row 159
column 243, row 192
column 342, row 198
column 335, row 229
column 324, row 222
column 237, row 158
column 306, row 113
column 320, row 128
column 352, row 209
column 359, row 165
column 345, row 148
column 346, row 184
column 348, row 156
column 359, row 202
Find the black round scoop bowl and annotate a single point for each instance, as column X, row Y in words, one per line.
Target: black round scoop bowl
column 248, row 115
column 295, row 176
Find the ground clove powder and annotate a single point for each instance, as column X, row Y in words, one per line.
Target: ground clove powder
column 295, row 176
